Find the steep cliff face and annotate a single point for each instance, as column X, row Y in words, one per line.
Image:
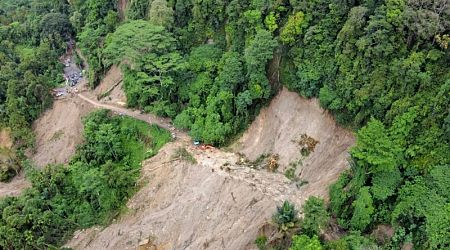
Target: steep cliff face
column 212, row 204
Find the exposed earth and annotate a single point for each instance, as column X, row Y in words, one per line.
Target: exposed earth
column 110, row 88
column 278, row 129
column 217, row 202
column 15, row 186
column 58, row 131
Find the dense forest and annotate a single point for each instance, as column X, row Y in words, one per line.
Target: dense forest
column 380, row 67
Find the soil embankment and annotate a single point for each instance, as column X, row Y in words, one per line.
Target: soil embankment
column 110, row 88
column 213, row 204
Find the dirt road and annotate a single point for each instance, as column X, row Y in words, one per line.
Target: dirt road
column 165, row 123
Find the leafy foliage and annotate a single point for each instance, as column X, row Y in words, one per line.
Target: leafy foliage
column 303, row 242
column 29, row 32
column 316, row 216
column 379, row 66
column 161, row 14
column 286, row 216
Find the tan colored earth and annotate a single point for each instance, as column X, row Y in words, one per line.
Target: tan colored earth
column 110, row 88
column 18, row 183
column 59, row 130
column 15, row 186
column 208, row 205
column 216, row 203
column 279, row 126
column 5, row 138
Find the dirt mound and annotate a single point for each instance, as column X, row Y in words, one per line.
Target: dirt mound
column 303, row 136
column 59, row 130
column 110, row 88
column 213, row 204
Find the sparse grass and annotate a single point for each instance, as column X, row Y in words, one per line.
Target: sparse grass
column 290, row 173
column 301, row 183
column 261, row 242
column 184, row 155
column 307, row 144
column 259, row 160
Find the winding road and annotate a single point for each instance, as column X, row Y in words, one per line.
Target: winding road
column 165, row 123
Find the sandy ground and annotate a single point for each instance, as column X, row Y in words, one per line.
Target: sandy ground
column 59, row 130
column 215, row 203
column 279, row 126
column 15, row 186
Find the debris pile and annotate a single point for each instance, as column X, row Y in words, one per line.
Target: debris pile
column 272, row 162
column 307, row 144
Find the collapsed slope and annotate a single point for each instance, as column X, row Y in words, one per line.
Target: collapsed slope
column 217, row 203
column 19, row 182
column 194, row 206
column 110, row 89
column 278, row 129
column 58, row 131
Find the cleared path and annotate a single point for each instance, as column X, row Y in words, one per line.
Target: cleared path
column 165, row 123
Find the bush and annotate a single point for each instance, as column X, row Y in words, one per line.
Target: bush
column 316, row 216
column 286, row 216
column 261, row 242
column 303, row 242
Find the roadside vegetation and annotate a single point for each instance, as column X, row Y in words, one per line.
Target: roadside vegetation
column 90, row 190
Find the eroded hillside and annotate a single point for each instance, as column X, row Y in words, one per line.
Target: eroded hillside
column 279, row 129
column 218, row 203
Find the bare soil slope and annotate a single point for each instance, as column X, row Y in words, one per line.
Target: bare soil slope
column 110, row 88
column 5, row 138
column 59, row 130
column 217, row 203
column 208, row 205
column 278, row 128
column 15, row 186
